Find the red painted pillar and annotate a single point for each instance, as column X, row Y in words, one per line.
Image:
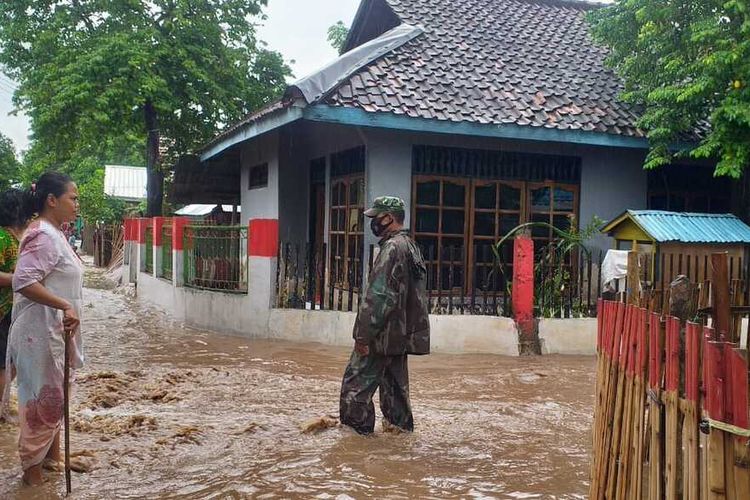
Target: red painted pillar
column 178, row 261
column 263, row 238
column 262, row 250
column 143, row 223
column 158, row 224
column 523, row 294
column 523, row 278
column 178, row 230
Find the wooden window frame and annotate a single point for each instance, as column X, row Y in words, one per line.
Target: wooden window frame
column 551, row 212
column 340, row 281
column 439, row 261
column 524, row 213
column 498, row 213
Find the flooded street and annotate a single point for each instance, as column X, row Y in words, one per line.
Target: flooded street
column 163, row 411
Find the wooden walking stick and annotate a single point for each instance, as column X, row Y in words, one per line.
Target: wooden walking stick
column 66, row 410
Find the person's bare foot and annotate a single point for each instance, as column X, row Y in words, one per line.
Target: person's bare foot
column 51, row 465
column 33, row 476
column 54, row 450
column 389, row 428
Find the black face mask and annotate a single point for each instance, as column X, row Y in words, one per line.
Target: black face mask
column 377, row 227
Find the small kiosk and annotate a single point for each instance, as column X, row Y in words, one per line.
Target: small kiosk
column 677, row 243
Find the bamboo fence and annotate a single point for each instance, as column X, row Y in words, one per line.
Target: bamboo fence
column 671, row 416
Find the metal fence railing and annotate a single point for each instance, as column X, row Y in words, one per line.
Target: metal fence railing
column 216, row 257
column 166, row 252
column 149, row 264
column 566, row 286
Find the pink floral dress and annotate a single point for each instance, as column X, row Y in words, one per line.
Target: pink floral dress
column 36, row 345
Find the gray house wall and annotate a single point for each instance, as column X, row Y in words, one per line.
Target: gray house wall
column 612, row 180
column 294, row 191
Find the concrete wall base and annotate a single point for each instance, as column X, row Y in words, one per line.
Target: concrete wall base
column 235, row 314
column 568, row 336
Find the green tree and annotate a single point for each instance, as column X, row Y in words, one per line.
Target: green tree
column 9, row 165
column 95, row 205
column 95, row 75
column 337, row 34
column 687, row 64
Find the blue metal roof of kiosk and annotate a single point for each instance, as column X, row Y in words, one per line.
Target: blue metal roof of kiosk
column 686, row 227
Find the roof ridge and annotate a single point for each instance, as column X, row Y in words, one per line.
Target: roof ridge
column 672, row 213
column 584, row 3
column 579, row 3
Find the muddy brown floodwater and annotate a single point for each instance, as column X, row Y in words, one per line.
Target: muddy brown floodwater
column 164, row 411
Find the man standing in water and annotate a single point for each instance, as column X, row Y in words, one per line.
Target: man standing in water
column 392, row 323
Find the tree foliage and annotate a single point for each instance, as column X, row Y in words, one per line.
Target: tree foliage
column 687, row 62
column 95, row 205
column 98, row 75
column 9, row 166
column 337, row 34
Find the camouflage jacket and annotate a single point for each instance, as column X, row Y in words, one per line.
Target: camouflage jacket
column 393, row 318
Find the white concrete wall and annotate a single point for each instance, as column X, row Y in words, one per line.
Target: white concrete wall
column 261, row 203
column 229, row 313
column 239, row 314
column 473, row 334
column 449, row 334
column 568, row 336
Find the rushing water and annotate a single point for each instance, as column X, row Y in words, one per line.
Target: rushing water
column 163, row 411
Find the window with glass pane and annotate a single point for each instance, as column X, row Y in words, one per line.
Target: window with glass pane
column 496, row 211
column 469, row 216
column 440, row 222
column 554, row 204
column 346, row 232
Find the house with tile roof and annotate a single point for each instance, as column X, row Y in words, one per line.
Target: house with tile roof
column 480, row 114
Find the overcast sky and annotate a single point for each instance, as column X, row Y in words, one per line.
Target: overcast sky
column 296, row 28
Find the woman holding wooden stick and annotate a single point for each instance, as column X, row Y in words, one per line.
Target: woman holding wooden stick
column 48, row 282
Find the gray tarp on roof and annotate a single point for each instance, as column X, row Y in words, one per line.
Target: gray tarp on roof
column 318, row 84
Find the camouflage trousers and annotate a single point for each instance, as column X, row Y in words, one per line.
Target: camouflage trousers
column 363, row 376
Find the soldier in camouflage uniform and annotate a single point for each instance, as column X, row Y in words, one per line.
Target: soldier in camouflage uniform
column 392, row 323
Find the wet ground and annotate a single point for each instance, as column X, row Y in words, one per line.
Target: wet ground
column 163, row 411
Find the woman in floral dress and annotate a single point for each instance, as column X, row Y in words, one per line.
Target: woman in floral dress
column 48, row 282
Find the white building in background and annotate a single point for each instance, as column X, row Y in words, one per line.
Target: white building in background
column 125, row 182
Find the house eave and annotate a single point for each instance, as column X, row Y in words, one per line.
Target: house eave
column 361, row 118
column 254, row 129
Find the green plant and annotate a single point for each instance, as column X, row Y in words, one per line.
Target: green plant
column 552, row 273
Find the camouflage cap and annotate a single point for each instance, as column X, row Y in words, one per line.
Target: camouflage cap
column 386, row 204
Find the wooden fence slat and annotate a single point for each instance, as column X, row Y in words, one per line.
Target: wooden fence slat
column 738, row 374
column 635, row 485
column 671, row 410
column 624, row 462
column 691, row 461
column 655, row 409
column 714, row 359
column 611, row 396
column 605, row 334
column 619, row 405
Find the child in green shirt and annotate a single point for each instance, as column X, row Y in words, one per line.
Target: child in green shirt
column 13, row 221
